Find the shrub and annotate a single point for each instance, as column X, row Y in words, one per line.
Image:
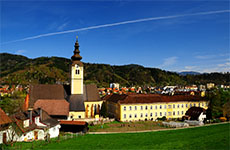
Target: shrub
column 223, row 119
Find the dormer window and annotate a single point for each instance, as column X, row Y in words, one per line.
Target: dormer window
column 26, row 123
column 77, row 70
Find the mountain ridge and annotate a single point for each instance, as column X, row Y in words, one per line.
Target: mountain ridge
column 18, row 69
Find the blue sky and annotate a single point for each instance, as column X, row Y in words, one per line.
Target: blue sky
column 177, row 36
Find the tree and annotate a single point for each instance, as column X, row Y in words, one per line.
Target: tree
column 103, row 111
column 14, row 103
column 218, row 98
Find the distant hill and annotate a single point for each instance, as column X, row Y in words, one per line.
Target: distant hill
column 184, row 73
column 17, row 69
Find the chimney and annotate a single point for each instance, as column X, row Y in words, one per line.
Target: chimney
column 40, row 112
column 31, row 115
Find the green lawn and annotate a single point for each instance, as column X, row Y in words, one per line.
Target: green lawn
column 208, row 137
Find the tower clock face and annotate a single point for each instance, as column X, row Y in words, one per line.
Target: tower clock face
column 77, row 66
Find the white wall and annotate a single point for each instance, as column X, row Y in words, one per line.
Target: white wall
column 9, row 135
column 54, row 131
column 202, row 117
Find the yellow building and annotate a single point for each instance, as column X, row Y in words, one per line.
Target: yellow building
column 71, row 102
column 84, row 100
column 137, row 107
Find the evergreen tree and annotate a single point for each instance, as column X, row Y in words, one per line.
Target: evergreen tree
column 103, row 111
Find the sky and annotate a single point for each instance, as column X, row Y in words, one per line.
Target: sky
column 191, row 35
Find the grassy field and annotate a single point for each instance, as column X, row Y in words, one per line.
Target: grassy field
column 207, row 137
column 126, row 126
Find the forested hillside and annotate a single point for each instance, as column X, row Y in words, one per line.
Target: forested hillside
column 17, row 69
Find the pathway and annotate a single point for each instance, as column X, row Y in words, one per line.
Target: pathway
column 155, row 130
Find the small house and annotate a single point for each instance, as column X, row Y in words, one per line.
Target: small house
column 195, row 113
column 5, row 122
column 34, row 125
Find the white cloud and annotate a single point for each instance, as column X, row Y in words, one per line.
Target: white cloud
column 224, row 67
column 211, row 56
column 227, row 64
column 61, row 27
column 190, row 68
column 19, row 52
column 205, row 56
column 169, row 61
column 216, row 69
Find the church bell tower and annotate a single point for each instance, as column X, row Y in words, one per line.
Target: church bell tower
column 76, row 71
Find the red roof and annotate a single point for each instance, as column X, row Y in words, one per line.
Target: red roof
column 53, row 107
column 4, row 119
column 151, row 98
column 72, row 122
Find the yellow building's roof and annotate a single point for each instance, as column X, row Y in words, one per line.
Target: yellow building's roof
column 151, row 98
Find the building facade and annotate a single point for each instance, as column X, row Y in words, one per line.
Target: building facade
column 137, row 107
column 84, row 100
column 67, row 102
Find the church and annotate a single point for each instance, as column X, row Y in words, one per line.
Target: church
column 75, row 101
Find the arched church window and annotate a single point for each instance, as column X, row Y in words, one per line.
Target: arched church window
column 77, row 69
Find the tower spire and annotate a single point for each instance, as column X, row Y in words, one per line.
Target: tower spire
column 76, row 56
column 76, row 71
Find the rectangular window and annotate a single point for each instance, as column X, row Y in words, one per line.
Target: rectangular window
column 195, row 105
column 182, row 106
column 173, row 105
column 190, row 105
column 130, row 116
column 165, row 106
column 124, row 107
column 160, row 113
column 130, row 107
column 135, row 107
column 160, row 106
column 151, row 107
column 151, row 114
column 186, row 105
column 182, row 112
column 155, row 107
column 124, row 115
column 141, row 107
column 146, row 115
column 178, row 106
column 156, row 114
column 174, row 113
column 135, row 116
column 141, row 115
column 165, row 114
column 146, row 107
column 178, row 113
column 169, row 113
column 169, row 106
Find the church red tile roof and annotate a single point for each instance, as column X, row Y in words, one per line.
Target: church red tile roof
column 45, row 91
column 53, row 107
column 151, row 98
column 72, row 122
